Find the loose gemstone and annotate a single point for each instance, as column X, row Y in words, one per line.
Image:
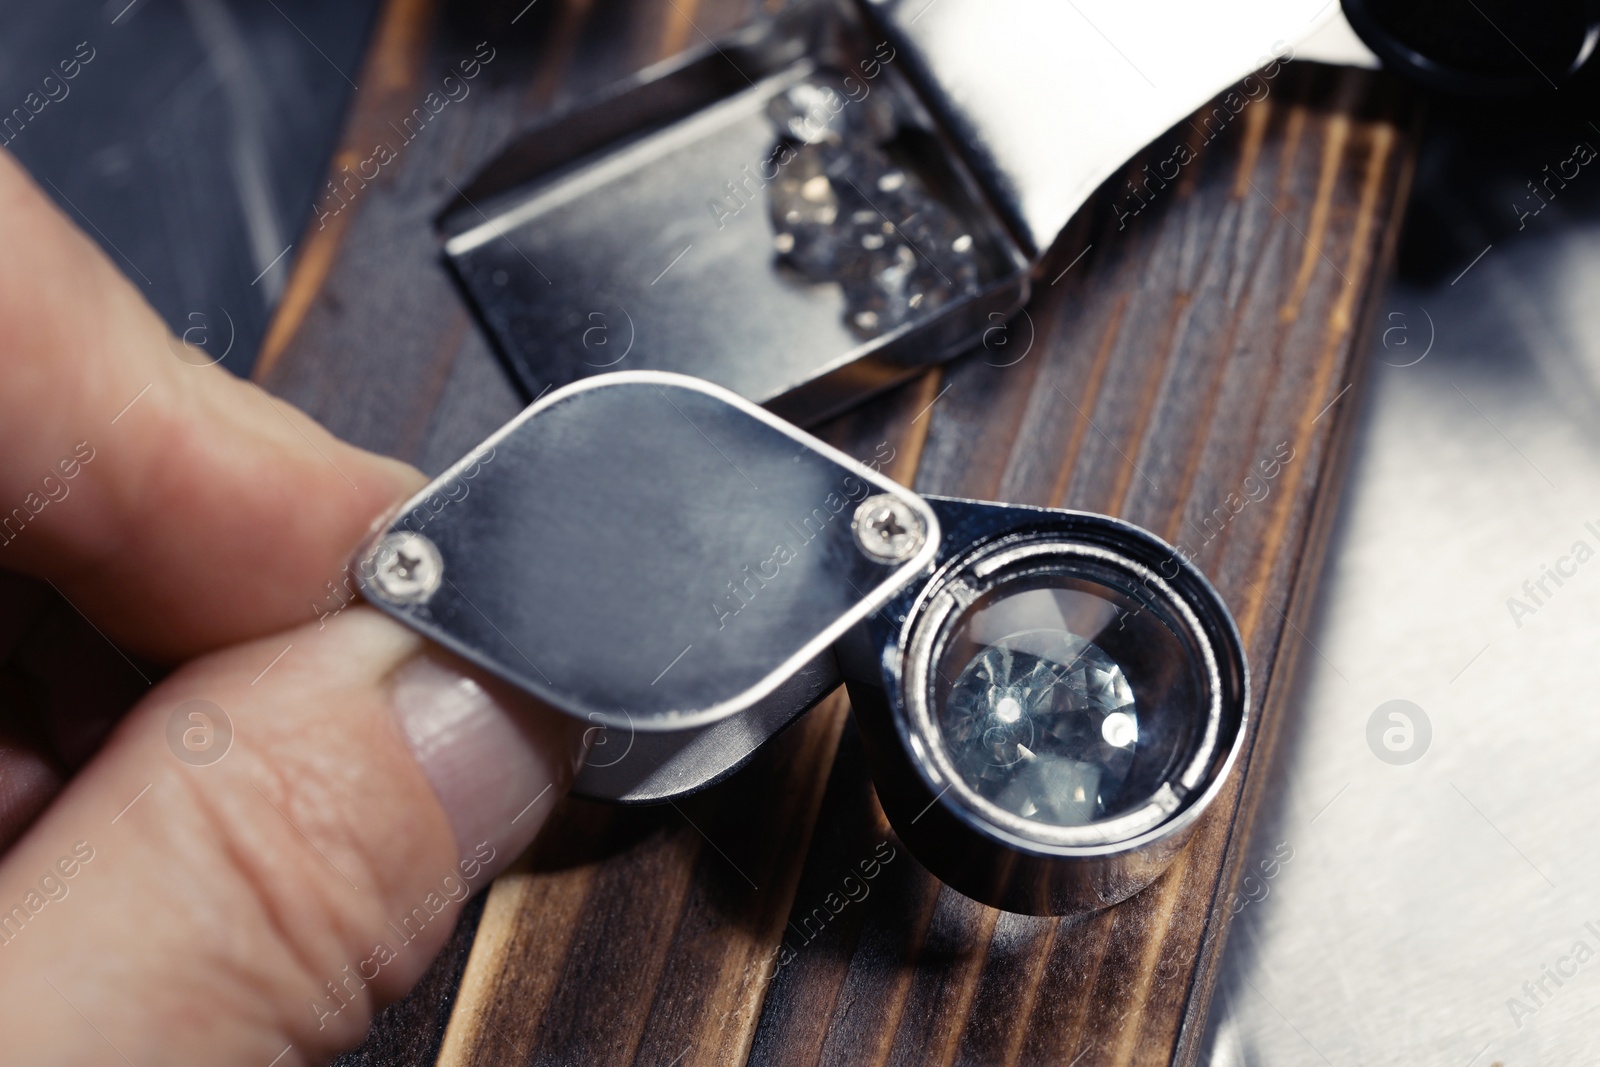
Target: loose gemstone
column 1043, row 723
column 844, row 211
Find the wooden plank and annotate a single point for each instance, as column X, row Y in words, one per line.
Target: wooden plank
column 1185, row 350
column 1212, row 333
column 411, row 1030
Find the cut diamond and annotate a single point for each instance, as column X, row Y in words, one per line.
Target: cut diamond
column 1043, row 724
column 898, row 251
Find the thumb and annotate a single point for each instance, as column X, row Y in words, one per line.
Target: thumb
column 273, row 844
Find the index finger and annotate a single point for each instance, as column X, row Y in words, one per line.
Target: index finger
column 179, row 508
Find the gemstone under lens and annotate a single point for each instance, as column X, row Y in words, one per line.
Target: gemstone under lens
column 1043, row 723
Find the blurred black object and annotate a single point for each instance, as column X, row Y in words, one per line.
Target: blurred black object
column 1480, row 47
column 189, row 137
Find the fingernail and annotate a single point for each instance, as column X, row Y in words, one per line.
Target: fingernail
column 497, row 761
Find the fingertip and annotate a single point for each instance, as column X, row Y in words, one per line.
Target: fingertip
column 497, row 759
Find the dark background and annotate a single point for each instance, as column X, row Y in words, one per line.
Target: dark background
column 193, row 143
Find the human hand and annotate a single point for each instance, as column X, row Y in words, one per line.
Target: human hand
column 248, row 879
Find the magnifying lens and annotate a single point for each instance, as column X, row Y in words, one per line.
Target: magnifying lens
column 1027, row 694
column 1066, row 697
column 1050, row 699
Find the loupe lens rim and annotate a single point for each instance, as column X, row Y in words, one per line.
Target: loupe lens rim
column 937, row 615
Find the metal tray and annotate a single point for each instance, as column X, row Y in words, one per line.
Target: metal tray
column 655, row 228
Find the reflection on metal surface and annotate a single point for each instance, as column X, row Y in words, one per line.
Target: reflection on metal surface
column 1436, row 776
column 660, row 580
column 1049, row 99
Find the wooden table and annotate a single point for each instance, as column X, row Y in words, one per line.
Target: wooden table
column 1159, row 364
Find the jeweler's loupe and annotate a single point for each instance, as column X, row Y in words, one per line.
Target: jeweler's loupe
column 1049, row 699
column 1067, row 696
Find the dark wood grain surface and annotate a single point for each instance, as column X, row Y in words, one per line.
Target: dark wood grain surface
column 1167, row 363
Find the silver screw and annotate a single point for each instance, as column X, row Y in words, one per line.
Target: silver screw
column 887, row 529
column 405, row 568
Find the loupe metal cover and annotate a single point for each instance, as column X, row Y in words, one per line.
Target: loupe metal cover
column 1068, row 701
column 645, row 550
